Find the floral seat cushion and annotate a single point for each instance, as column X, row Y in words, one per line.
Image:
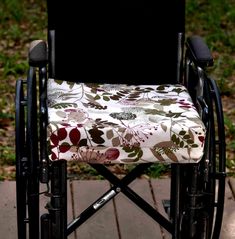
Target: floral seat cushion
column 109, row 123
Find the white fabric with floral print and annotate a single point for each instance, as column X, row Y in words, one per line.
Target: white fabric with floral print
column 109, row 123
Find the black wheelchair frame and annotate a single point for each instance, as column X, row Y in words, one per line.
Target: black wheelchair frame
column 197, row 190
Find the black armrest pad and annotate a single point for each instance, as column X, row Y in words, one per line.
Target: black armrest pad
column 199, row 51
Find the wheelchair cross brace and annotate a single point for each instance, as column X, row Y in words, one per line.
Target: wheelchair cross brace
column 57, row 212
column 120, row 186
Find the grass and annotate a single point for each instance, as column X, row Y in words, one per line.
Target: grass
column 214, row 20
column 21, row 22
column 230, row 136
column 25, row 20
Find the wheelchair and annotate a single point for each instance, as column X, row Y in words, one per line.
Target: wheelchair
column 119, row 83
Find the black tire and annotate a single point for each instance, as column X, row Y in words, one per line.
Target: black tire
column 21, row 156
column 203, row 185
column 32, row 154
column 27, row 159
column 218, row 173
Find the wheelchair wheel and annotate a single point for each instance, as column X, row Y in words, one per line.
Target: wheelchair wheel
column 203, row 186
column 32, row 154
column 27, row 162
column 21, row 159
column 218, row 162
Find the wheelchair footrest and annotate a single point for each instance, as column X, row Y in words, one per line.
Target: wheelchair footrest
column 45, row 226
column 167, row 205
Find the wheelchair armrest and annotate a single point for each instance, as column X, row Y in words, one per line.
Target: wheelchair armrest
column 38, row 53
column 199, row 52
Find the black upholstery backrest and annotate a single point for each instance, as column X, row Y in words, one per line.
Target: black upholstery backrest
column 115, row 41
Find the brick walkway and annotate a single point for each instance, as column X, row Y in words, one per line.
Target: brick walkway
column 115, row 219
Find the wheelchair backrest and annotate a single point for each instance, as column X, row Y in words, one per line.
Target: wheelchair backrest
column 134, row 42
